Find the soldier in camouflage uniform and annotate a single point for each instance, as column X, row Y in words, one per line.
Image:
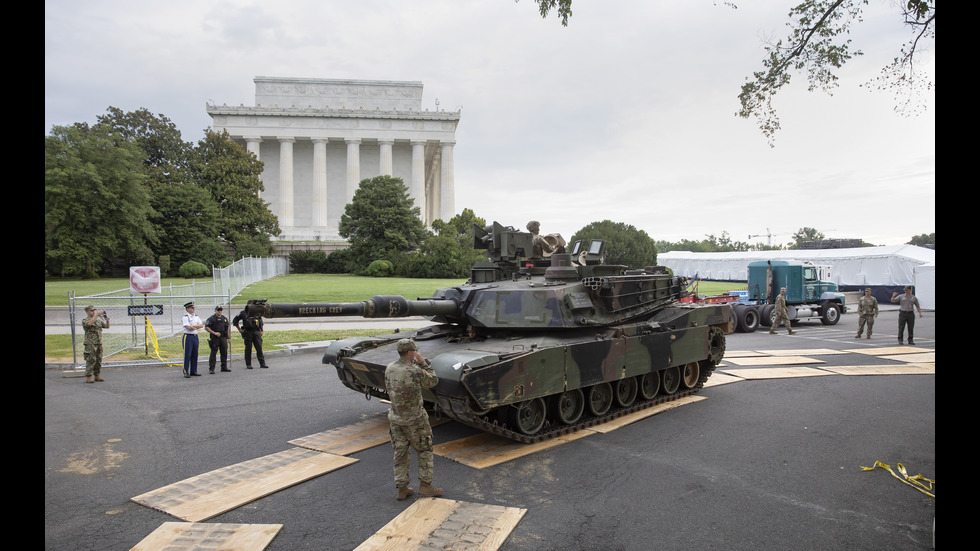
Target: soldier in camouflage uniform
column 782, row 313
column 867, row 312
column 93, row 326
column 404, row 379
column 538, row 244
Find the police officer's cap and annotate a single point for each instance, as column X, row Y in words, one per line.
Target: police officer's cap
column 218, row 307
column 189, row 304
column 404, row 345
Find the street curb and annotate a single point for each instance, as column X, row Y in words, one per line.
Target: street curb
column 69, row 369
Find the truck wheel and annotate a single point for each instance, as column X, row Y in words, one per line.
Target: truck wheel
column 748, row 319
column 831, row 315
column 766, row 315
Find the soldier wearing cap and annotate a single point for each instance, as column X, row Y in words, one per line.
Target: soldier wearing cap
column 867, row 312
column 219, row 328
column 906, row 315
column 251, row 326
column 192, row 323
column 93, row 325
column 782, row 313
column 404, row 379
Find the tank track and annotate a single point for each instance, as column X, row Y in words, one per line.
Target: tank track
column 551, row 430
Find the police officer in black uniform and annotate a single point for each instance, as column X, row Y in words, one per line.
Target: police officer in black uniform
column 251, row 329
column 219, row 328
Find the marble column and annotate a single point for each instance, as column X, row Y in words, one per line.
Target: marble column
column 319, row 183
column 252, row 146
column 285, row 181
column 447, row 193
column 417, row 187
column 353, row 167
column 385, row 165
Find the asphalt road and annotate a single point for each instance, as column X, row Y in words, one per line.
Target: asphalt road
column 771, row 464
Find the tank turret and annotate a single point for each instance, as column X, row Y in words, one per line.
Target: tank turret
column 530, row 348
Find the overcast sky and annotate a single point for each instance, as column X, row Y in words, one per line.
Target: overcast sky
column 627, row 114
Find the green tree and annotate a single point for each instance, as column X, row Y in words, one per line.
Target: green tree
column 924, row 240
column 625, row 244
column 231, row 175
column 95, row 204
column 449, row 251
column 805, row 234
column 380, row 223
column 188, row 221
column 166, row 156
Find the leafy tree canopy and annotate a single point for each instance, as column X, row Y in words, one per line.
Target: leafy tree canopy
column 625, row 244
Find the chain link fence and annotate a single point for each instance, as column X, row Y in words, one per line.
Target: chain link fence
column 146, row 329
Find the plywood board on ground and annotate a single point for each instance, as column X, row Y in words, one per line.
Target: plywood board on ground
column 619, row 422
column 434, row 523
column 906, row 369
column 921, row 357
column 742, row 354
column 717, row 378
column 802, row 352
column 210, row 494
column 777, row 372
column 776, row 360
column 886, row 350
column 177, row 536
column 353, row 438
column 486, row 450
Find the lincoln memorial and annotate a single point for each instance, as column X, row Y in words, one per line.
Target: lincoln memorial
column 318, row 138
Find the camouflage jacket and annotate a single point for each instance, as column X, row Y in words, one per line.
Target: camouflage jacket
column 781, row 304
column 405, row 382
column 868, row 306
column 93, row 333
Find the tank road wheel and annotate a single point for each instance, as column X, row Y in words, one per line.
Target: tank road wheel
column 600, row 398
column 690, row 375
column 649, row 385
column 528, row 417
column 567, row 407
column 716, row 346
column 672, row 379
column 626, row 391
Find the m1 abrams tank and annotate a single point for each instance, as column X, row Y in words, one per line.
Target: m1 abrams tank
column 529, row 348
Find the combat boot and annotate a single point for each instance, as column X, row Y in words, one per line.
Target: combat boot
column 99, row 378
column 791, row 332
column 89, row 379
column 404, row 492
column 426, row 489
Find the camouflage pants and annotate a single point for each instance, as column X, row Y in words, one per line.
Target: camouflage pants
column 780, row 318
column 418, row 435
column 870, row 320
column 93, row 359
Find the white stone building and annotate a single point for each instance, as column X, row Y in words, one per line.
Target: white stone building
column 319, row 138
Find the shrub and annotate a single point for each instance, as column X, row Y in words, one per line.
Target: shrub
column 380, row 268
column 308, row 262
column 192, row 269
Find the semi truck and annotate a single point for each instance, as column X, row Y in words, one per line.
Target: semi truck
column 809, row 294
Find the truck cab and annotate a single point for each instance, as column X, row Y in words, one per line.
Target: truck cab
column 810, row 293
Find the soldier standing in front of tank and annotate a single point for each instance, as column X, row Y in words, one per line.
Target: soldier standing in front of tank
column 409, row 423
column 219, row 328
column 867, row 312
column 782, row 313
column 906, row 315
column 538, row 244
column 93, row 325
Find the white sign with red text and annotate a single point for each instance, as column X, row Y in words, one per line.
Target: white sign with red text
column 144, row 279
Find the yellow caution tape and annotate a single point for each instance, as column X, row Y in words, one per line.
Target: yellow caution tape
column 914, row 481
column 153, row 339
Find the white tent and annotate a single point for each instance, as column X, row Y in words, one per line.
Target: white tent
column 879, row 267
column 925, row 285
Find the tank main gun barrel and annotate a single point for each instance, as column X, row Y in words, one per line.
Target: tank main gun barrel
column 380, row 306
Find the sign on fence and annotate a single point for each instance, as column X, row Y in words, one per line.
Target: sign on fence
column 144, row 279
column 145, row 310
